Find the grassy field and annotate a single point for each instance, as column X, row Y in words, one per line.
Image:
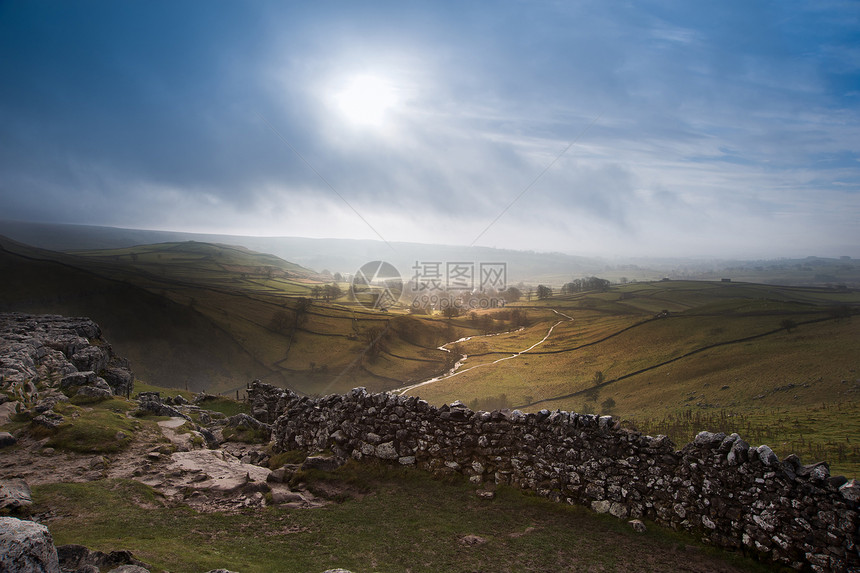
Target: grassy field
column 388, row 519
column 681, row 357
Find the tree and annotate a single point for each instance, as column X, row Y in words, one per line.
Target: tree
column 302, row 306
column 512, row 294
column 519, row 318
column 544, row 292
column 451, row 311
column 373, row 336
column 331, row 292
column 280, row 321
column 788, row 324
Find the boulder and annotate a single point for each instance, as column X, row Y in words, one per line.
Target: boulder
column 14, row 495
column 121, row 380
column 94, row 393
column 9, row 409
column 767, row 456
column 78, row 379
column 322, row 463
column 7, row 439
column 246, row 421
column 79, row 559
column 26, row 547
column 49, row 401
column 709, row 439
column 90, row 358
column 151, row 402
column 49, row 419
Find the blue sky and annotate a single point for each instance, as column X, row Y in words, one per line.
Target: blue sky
column 690, row 128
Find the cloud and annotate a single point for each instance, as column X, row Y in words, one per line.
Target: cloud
column 716, row 126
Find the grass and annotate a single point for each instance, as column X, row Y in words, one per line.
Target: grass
column 829, row 432
column 102, row 428
column 288, row 457
column 393, row 520
column 247, row 435
column 202, row 317
column 226, row 406
column 140, row 386
column 719, row 355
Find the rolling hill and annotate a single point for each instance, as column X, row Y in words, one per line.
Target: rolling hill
column 776, row 364
column 213, row 317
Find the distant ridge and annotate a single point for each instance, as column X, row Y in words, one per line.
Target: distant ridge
column 335, row 255
column 346, row 256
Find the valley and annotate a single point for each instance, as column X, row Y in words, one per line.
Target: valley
column 776, row 363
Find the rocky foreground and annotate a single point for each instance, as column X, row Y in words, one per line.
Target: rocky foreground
column 55, row 371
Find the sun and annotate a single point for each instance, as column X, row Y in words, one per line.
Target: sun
column 366, row 100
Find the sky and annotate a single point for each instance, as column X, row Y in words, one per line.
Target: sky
column 607, row 128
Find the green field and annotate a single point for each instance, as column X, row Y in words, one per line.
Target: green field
column 779, row 365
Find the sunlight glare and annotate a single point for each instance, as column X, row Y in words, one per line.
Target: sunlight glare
column 366, row 100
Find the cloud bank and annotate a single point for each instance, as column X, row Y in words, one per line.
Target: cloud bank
column 689, row 128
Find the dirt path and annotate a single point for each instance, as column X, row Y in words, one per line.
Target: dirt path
column 456, row 371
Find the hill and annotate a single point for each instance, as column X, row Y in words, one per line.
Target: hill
column 777, row 364
column 213, row 317
column 553, row 268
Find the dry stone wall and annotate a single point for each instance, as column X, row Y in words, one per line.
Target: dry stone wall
column 719, row 487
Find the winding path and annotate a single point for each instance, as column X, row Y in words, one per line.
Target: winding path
column 455, row 371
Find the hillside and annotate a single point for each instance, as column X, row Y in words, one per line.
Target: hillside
column 167, row 342
column 213, row 317
column 777, row 364
column 169, row 480
column 553, row 268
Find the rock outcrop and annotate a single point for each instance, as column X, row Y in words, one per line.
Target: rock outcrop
column 43, row 352
column 719, row 487
column 14, row 495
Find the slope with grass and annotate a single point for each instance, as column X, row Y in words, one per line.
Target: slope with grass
column 213, row 317
column 659, row 353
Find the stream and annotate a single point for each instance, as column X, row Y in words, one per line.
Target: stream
column 456, row 370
